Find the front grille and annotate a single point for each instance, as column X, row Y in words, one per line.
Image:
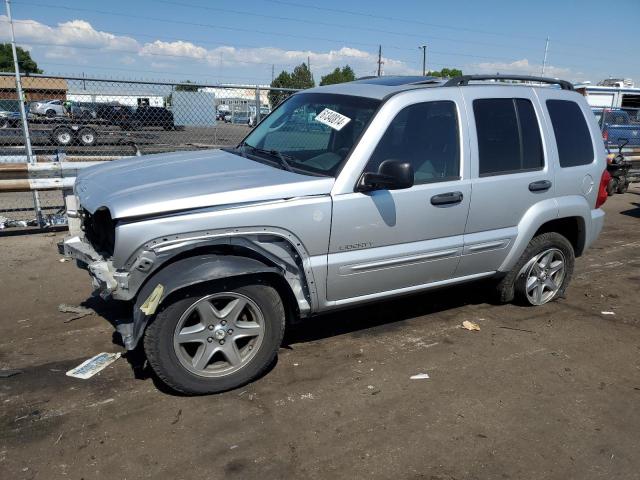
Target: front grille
column 100, row 231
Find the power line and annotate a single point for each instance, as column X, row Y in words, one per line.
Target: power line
column 277, row 34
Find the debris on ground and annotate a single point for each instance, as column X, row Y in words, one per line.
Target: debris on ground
column 9, row 223
column 419, row 376
column 608, row 313
column 78, row 310
column 517, row 329
column 9, row 372
column 470, row 326
column 89, row 368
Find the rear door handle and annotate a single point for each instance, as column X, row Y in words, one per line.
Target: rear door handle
column 540, row 186
column 446, row 198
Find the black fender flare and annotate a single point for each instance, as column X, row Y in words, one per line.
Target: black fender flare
column 181, row 274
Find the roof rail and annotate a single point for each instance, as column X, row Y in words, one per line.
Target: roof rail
column 465, row 79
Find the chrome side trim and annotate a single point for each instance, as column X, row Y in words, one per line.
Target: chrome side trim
column 392, row 262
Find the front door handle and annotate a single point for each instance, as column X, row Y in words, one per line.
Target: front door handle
column 446, row 198
column 540, row 186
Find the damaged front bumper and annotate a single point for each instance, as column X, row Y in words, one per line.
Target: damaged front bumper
column 102, row 273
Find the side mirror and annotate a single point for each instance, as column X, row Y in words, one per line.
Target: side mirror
column 391, row 175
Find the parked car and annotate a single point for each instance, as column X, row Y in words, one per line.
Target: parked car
column 219, row 251
column 129, row 118
column 241, row 118
column 264, row 111
column 153, row 117
column 51, row 108
column 617, row 127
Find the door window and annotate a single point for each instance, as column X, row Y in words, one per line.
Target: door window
column 508, row 136
column 426, row 136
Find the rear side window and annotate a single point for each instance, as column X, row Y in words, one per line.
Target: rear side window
column 426, row 136
column 571, row 132
column 508, row 136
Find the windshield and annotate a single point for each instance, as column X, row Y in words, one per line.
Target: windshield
column 312, row 132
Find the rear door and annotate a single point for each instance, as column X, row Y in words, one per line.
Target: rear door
column 509, row 168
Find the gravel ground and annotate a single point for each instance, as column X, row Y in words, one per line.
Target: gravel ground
column 537, row 393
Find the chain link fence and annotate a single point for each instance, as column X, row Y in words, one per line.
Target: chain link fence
column 87, row 119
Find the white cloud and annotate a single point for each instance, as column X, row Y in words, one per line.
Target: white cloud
column 79, row 40
column 175, row 49
column 521, row 67
column 76, row 33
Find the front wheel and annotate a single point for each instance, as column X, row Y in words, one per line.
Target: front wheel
column 542, row 273
column 216, row 339
column 63, row 136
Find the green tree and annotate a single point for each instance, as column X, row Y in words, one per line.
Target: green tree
column 345, row 74
column 25, row 63
column 186, row 86
column 300, row 78
column 445, row 73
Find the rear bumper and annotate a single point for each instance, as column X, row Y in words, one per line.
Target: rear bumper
column 597, row 222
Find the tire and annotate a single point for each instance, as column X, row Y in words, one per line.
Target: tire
column 612, row 186
column 623, row 185
column 50, row 113
column 179, row 365
column 4, row 123
column 87, row 137
column 514, row 285
column 63, row 136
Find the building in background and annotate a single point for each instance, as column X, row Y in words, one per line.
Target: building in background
column 34, row 88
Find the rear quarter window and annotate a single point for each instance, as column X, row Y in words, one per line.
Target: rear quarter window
column 572, row 133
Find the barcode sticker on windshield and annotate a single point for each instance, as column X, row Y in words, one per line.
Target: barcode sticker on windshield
column 332, row 119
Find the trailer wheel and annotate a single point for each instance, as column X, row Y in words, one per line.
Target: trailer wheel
column 63, row 136
column 87, row 137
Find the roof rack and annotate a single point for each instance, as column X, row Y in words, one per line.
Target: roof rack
column 465, row 79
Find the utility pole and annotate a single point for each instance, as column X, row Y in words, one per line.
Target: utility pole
column 544, row 61
column 273, row 72
column 23, row 113
column 380, row 62
column 424, row 60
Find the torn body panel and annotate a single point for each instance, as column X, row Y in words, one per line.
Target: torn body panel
column 181, row 274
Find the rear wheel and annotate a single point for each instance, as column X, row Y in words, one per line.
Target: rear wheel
column 612, row 186
column 87, row 137
column 542, row 273
column 623, row 185
column 216, row 339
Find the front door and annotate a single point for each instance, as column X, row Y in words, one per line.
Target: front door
column 384, row 241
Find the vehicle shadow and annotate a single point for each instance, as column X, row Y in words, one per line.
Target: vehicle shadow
column 372, row 319
column 384, row 316
column 632, row 212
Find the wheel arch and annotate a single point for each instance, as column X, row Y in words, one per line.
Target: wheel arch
column 180, row 276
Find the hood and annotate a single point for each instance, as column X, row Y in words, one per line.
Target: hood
column 185, row 180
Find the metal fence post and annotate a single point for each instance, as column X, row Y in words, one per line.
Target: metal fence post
column 23, row 113
column 257, row 105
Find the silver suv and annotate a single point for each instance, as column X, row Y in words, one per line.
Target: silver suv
column 344, row 194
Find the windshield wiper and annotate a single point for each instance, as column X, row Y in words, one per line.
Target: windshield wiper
column 272, row 153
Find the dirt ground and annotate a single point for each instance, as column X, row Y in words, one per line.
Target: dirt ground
column 538, row 393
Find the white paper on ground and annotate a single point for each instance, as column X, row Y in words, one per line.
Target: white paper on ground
column 419, row 376
column 89, row 368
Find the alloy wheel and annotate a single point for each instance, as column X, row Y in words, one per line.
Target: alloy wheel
column 544, row 276
column 219, row 334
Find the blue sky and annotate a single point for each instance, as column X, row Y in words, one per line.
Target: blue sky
column 238, row 42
